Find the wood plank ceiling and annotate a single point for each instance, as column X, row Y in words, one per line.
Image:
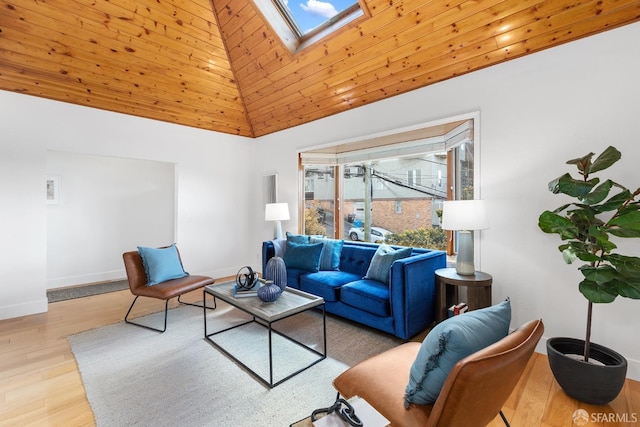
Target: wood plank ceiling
column 217, row 64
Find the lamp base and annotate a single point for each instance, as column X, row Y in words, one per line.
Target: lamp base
column 464, row 261
column 278, row 229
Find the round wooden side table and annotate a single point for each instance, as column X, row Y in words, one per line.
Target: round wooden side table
column 448, row 282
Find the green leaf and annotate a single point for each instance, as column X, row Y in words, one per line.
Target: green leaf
column 629, row 289
column 550, row 222
column 631, row 207
column 629, row 221
column 626, row 265
column 582, row 162
column 615, row 201
column 597, row 293
column 599, row 275
column 598, row 194
column 624, row 232
column 604, row 160
column 572, row 187
column 580, row 250
column 587, row 256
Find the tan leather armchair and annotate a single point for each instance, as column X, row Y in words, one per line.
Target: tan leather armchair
column 472, row 395
column 164, row 291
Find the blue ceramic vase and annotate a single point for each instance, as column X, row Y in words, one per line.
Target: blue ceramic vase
column 277, row 272
column 269, row 292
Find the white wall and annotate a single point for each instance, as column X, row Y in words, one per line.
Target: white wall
column 108, row 205
column 213, row 202
column 535, row 113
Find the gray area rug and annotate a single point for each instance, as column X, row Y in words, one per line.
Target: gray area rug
column 55, row 295
column 137, row 377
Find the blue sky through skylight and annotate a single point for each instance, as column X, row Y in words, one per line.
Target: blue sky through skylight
column 308, row 14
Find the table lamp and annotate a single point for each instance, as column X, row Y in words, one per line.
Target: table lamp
column 464, row 216
column 277, row 212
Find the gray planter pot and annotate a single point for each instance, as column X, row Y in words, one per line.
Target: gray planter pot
column 588, row 382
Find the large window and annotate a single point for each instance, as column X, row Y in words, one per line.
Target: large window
column 389, row 192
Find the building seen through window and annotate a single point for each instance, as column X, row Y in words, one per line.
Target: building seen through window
column 395, row 199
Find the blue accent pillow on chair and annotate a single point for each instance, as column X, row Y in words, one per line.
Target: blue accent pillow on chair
column 161, row 264
column 449, row 342
column 303, row 256
column 381, row 262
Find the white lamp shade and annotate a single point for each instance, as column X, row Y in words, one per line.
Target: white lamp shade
column 276, row 212
column 464, row 215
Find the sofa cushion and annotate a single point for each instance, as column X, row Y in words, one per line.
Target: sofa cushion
column 381, row 262
column 326, row 284
column 161, row 264
column 331, row 251
column 449, row 342
column 297, row 238
column 356, row 258
column 293, row 277
column 303, row 256
column 367, row 295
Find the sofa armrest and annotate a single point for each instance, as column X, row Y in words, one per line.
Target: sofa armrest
column 268, row 252
column 413, row 292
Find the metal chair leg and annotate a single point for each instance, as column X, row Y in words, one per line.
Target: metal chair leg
column 199, row 305
column 504, row 419
column 166, row 309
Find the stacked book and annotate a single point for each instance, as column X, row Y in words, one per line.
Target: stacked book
column 239, row 292
column 457, row 309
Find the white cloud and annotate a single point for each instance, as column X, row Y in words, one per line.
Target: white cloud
column 320, row 8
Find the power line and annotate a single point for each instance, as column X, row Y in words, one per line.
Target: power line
column 400, row 184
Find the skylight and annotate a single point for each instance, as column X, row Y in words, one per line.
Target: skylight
column 301, row 23
column 310, row 17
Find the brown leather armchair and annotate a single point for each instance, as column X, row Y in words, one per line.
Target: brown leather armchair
column 164, row 291
column 472, row 395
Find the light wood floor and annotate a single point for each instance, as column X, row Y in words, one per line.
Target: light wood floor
column 40, row 384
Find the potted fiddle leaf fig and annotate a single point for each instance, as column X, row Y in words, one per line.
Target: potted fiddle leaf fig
column 597, row 211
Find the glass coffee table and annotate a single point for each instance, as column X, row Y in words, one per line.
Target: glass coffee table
column 290, row 303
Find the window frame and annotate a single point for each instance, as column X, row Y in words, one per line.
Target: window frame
column 394, row 140
column 347, row 15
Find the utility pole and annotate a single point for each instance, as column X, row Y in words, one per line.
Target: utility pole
column 367, row 203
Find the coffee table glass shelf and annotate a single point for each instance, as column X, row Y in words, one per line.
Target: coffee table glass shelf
column 290, row 303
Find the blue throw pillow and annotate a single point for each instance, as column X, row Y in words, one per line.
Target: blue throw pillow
column 331, row 251
column 161, row 264
column 381, row 262
column 279, row 246
column 449, row 342
column 297, row 238
column 303, row 256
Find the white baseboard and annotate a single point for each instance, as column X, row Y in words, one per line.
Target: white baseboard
column 106, row 276
column 24, row 309
column 223, row 272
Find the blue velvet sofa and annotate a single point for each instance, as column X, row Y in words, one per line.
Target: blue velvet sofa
column 403, row 308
